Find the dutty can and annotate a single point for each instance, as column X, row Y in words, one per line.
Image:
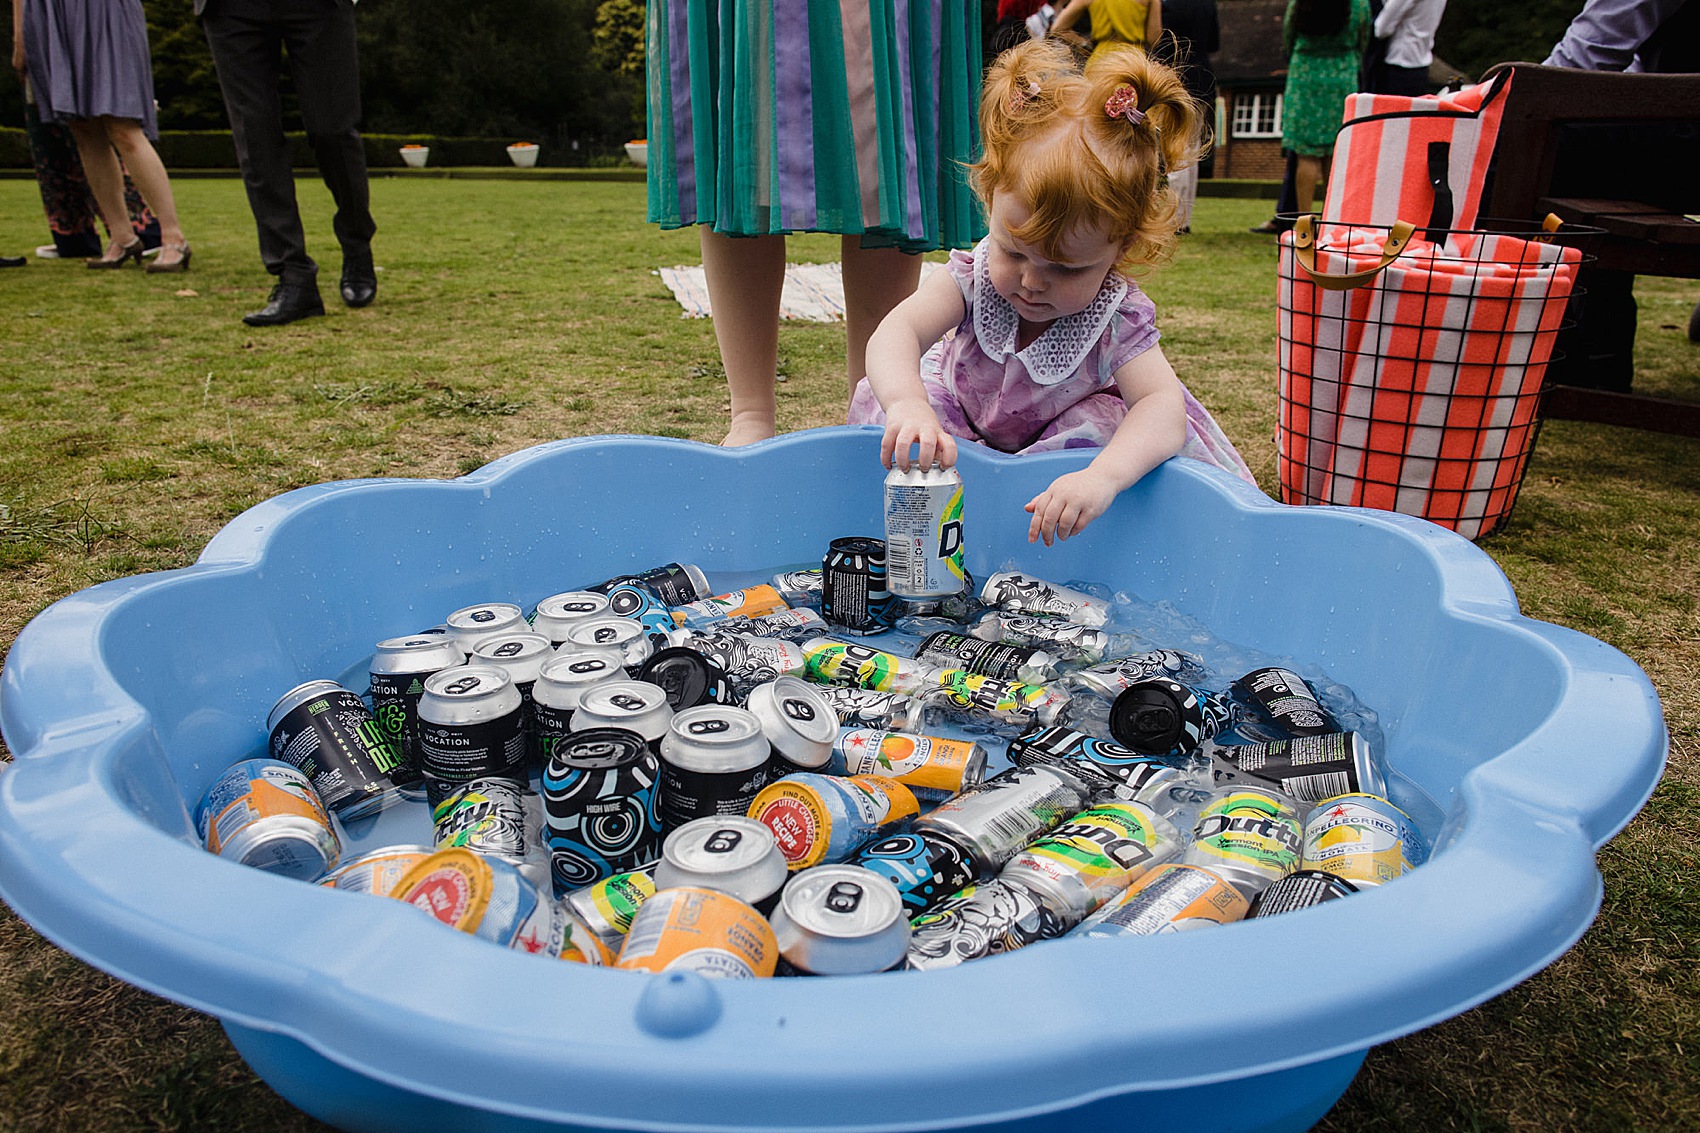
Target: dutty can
column 859, row 666
column 486, row 816
column 673, row 583
column 378, row 871
column 934, row 767
column 798, row 722
column 840, row 920
column 608, row 906
column 264, row 813
column 996, row 820
column 328, row 734
column 1017, row 593
column 561, row 684
column 1309, row 768
column 713, row 762
column 1000, row 659
column 1093, row 856
column 1304, row 889
column 713, row 934
column 959, row 692
column 925, row 867
column 600, row 806
column 980, row 920
column 728, row 852
column 396, row 677
column 854, row 598
column 1288, row 700
column 1167, row 718
column 1171, row 898
column 923, row 533
column 1249, row 836
column 820, row 819
column 1362, row 838
column 483, row 897
column 558, row 613
column 471, row 624
column 471, row 726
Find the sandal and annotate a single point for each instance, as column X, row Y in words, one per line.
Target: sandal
column 161, row 266
column 126, row 253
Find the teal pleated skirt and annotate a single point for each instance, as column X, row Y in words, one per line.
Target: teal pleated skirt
column 849, row 116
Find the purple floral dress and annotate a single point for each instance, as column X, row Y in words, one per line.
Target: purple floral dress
column 1060, row 391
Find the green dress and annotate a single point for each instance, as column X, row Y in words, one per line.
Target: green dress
column 1321, row 72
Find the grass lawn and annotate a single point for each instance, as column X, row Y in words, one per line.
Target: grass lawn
column 138, row 416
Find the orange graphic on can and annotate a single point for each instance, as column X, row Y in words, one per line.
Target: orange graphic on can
column 452, row 885
column 700, row 930
column 929, row 763
column 823, row 818
column 1171, row 898
column 580, row 946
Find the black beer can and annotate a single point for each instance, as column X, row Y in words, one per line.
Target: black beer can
column 854, row 598
column 676, row 584
column 687, row 677
column 1301, row 890
column 1287, row 699
column 561, row 684
column 522, row 655
column 471, row 726
column 1000, row 659
column 600, row 806
column 925, row 866
column 397, row 680
column 1164, row 717
column 329, row 735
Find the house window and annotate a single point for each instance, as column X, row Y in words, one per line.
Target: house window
column 1257, row 116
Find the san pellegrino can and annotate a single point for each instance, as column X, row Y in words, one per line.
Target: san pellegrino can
column 923, row 533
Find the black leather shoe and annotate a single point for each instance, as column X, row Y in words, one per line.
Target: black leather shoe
column 359, row 278
column 289, row 302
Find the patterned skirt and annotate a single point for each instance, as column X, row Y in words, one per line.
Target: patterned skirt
column 853, row 116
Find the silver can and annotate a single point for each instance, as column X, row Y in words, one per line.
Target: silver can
column 1309, row 768
column 328, row 734
column 607, row 630
column 746, row 660
column 799, row 723
column 1093, row 856
column 714, row 761
column 840, row 920
column 1057, row 635
column 378, row 871
column 729, row 853
column 558, row 613
column 608, row 906
column 561, row 684
column 999, row 659
column 522, row 655
column 264, row 813
column 471, row 624
column 1019, row 593
column 396, row 681
column 676, row 584
column 1112, row 678
column 798, row 624
column 486, row 816
column 923, row 533
column 1248, row 836
column 868, row 708
column 636, row 706
column 470, row 727
column 997, row 819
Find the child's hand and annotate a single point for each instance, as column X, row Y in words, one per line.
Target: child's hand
column 1069, row 504
column 912, row 422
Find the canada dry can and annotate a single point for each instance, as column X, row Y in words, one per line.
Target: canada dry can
column 746, row 660
column 607, row 631
column 636, row 706
column 853, row 597
column 1164, row 717
column 728, row 852
column 1363, row 838
column 1017, row 593
column 673, row 583
column 750, row 602
column 600, row 806
column 840, row 920
column 860, row 666
column 397, row 680
column 522, row 656
column 1302, row 890
column 713, row 934
column 988, row 658
column 329, row 735
column 561, row 684
column 264, row 813
column 486, row 816
column 484, row 897
column 1248, row 835
column 1106, row 765
column 558, row 613
column 926, row 867
column 798, row 722
column 470, row 727
column 378, row 871
column 687, row 677
column 471, row 624
column 713, row 761
column 1309, row 768
column 934, row 767
column 923, row 533
column 1287, row 699
column 1058, row 636
column 608, row 906
column 996, row 820
column 824, row 818
column 868, row 708
column 1171, row 898
column 1112, row 678
column 980, row 920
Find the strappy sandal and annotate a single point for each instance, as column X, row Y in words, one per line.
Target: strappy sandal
column 174, row 267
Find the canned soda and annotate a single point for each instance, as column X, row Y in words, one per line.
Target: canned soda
column 840, row 920
column 980, row 920
column 1058, row 636
column 746, row 660
column 600, row 806
column 858, row 666
column 330, row 736
column 637, row 604
column 923, row 533
column 934, row 767
column 996, row 820
column 798, row 722
column 1286, row 699
column 999, row 659
column 1304, row 889
column 1362, row 838
column 824, row 818
column 729, row 853
column 579, row 945
column 610, row 632
column 484, row 897
column 636, row 706
column 926, row 867
column 561, row 684
column 1171, row 898
column 687, row 677
column 853, row 597
column 470, row 727
column 608, row 906
column 264, row 813
column 558, row 613
column 1249, row 836
column 1112, row 678
column 1017, row 593
column 673, row 583
column 1309, row 768
column 471, row 624
column 1107, row 766
column 396, row 681
column 868, row 708
column 1163, row 717
column 522, row 656
column 713, row 761
column 1093, row 856
column 713, row 934
column 750, row 602
column 376, row 872
column 960, row 692
column 486, row 816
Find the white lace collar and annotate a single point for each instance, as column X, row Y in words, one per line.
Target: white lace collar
column 1058, row 352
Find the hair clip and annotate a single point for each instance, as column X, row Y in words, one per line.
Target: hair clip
column 1019, row 96
column 1124, row 103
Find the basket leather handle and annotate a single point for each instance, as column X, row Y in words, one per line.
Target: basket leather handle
column 1304, row 247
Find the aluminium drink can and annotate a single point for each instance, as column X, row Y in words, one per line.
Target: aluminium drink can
column 1093, row 856
column 1362, row 838
column 471, row 726
column 999, row 659
column 840, row 920
column 730, row 853
column 484, row 897
column 853, row 596
column 819, row 819
column 329, row 735
column 869, row 708
column 934, row 767
column 1164, row 717
column 1248, row 836
column 923, row 865
column 639, row 605
column 860, row 666
column 601, row 810
column 796, row 625
column 1304, row 889
column 997, row 819
column 1114, row 677
column 377, row 871
column 750, row 602
column 674, row 584
column 471, row 624
column 1017, row 593
column 960, row 692
column 923, row 533
column 636, row 706
column 801, row 587
column 396, row 682
column 607, row 631
column 979, row 920
column 1057, row 636
column 690, row 929
column 687, row 677
column 1173, row 897
column 1288, row 700
column 798, row 722
column 1109, row 767
column 713, row 761
column 561, row 684
column 486, row 816
column 522, row 656
column 1309, row 768
column 746, row 659
column 580, row 945
column 608, row 906
column 558, row 613
column 264, row 813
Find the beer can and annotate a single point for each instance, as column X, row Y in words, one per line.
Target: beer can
column 636, row 706
column 1114, row 677
column 470, row 727
column 486, row 816
column 961, row 693
column 675, row 584
column 726, row 852
column 1093, row 856
column 484, row 897
column 1017, row 593
column 999, row 659
column 825, row 818
column 396, row 681
column 637, row 604
column 980, row 920
column 795, row 625
column 561, row 684
column 997, row 819
column 799, row 724
column 1057, row 636
column 840, row 920
column 471, row 624
column 747, row 661
column 610, row 632
column 924, row 866
column 600, row 807
column 377, row 871
column 750, row 602
column 1309, row 768
column 859, row 666
column 934, row 767
column 1171, row 898
column 1304, row 889
column 1164, row 717
column 799, row 587
column 687, row 677
column 522, row 656
column 868, row 708
column 713, row 934
column 1362, row 838
column 608, row 906
column 1106, row 765
column 579, row 945
column 558, row 613
column 1249, row 836
column 713, row 761
column 854, row 598
column 264, row 813
column 329, row 735
column 1288, row 700
column 923, row 533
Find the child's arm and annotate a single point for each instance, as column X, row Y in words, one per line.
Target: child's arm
column 1153, row 430
column 894, row 371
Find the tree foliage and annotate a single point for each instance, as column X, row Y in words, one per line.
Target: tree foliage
column 1473, row 37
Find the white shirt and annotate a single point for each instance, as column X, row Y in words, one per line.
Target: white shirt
column 1408, row 26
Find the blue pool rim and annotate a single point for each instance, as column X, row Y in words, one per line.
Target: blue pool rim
column 122, row 702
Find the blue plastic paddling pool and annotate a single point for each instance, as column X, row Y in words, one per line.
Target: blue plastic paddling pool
column 123, row 702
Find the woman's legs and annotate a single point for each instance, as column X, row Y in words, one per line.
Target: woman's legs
column 875, row 281
column 746, row 277
column 148, row 172
column 1305, row 178
column 105, row 178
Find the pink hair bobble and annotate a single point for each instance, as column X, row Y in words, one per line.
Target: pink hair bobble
column 1019, row 96
column 1124, row 103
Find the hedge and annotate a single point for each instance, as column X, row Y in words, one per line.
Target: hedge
column 214, row 149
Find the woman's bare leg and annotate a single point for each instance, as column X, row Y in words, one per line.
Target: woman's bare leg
column 875, row 281
column 746, row 276
column 154, row 184
column 106, row 179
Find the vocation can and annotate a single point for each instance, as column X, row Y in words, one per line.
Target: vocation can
column 687, row 677
column 999, row 659
column 996, row 820
column 1093, row 856
column 673, row 583
column 923, row 533
column 484, row 897
column 1302, row 890
column 610, row 632
column 925, row 867
column 470, row 727
column 1112, row 678
column 840, row 920
column 1309, row 768
column 713, row 761
column 1163, row 717
column 729, row 853
column 824, row 818
column 397, row 680
column 934, row 767
column 704, row 931
column 980, row 920
column 868, row 708
column 1013, row 592
column 608, row 906
column 1057, row 636
column 746, row 660
column 853, row 596
column 558, row 613
column 561, row 684
column 329, row 735
column 1171, row 898
column 522, row 656
column 1362, row 838
column 1105, row 764
column 636, row 706
column 1248, row 836
column 471, row 624
column 858, row 666
column 378, row 871
column 486, row 816
column 264, row 813
column 799, row 724
column 600, row 807
column 750, row 602
column 1287, row 699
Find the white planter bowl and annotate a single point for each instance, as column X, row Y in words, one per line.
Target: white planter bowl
column 415, row 158
column 523, row 156
column 638, row 154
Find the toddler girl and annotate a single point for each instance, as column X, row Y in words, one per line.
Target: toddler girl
column 1046, row 344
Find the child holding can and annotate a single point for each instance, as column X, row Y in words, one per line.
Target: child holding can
column 1054, row 346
